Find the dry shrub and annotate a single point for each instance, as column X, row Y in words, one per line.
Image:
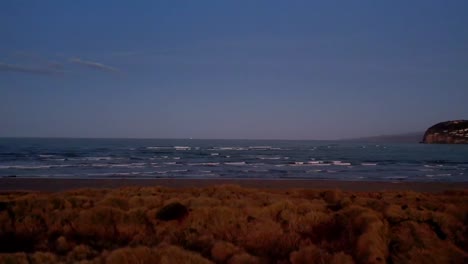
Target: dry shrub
column 341, row 258
column 6, row 223
column 200, row 202
column 115, row 202
column 81, row 252
column 230, row 224
column 14, row 258
column 220, row 221
column 80, row 201
column 308, row 223
column 99, row 225
column 62, row 245
column 163, row 255
column 148, row 202
column 448, row 226
column 140, row 254
column 222, row 251
column 245, row 258
column 222, row 192
column 174, row 254
column 61, row 222
column 267, row 239
column 412, row 242
column 43, row 258
column 372, row 243
column 313, row 254
column 395, row 214
column 332, row 196
column 135, row 227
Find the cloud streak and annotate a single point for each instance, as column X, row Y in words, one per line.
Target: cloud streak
column 94, row 65
column 5, row 67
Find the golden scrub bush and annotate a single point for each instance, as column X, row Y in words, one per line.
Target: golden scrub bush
column 230, row 224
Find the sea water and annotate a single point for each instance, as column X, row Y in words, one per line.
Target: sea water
column 207, row 159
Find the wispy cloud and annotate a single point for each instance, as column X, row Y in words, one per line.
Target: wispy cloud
column 5, row 67
column 95, row 65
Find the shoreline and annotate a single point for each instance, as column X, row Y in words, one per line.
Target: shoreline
column 62, row 184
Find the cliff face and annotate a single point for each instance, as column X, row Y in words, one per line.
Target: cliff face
column 449, row 132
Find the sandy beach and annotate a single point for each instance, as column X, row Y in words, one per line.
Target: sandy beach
column 55, row 185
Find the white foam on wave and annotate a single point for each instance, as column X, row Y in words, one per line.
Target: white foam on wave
column 46, row 156
column 297, row 163
column 439, row 175
column 214, row 154
column 340, row 163
column 157, row 148
column 176, row 158
column 257, row 164
column 33, row 167
column 425, row 169
column 179, row 170
column 113, row 174
column 182, row 148
column 395, row 177
column 368, row 164
column 260, row 147
column 268, row 157
column 433, row 166
column 204, row 164
column 230, row 148
column 124, row 165
column 97, row 158
column 238, row 163
column 96, row 165
column 225, row 148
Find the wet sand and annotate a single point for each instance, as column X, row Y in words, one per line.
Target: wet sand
column 56, row 185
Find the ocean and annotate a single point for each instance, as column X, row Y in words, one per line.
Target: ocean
column 208, row 159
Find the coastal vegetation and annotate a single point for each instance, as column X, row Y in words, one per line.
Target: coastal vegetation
column 230, row 224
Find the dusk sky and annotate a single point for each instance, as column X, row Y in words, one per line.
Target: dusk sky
column 231, row 69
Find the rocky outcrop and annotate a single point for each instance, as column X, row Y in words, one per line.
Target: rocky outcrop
column 449, row 132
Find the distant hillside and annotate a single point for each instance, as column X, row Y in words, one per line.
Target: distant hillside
column 414, row 137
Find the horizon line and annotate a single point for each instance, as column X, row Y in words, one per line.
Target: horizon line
column 189, row 138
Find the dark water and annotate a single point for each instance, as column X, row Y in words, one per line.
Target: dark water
column 156, row 158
